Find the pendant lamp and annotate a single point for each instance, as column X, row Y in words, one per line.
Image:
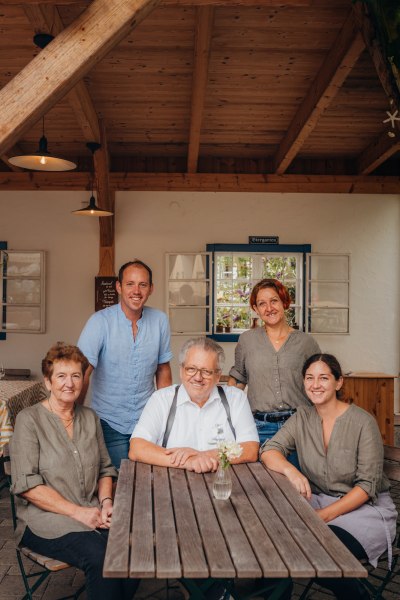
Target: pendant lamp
column 92, row 210
column 42, row 159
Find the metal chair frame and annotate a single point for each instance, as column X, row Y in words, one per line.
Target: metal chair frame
column 46, row 565
column 376, row 582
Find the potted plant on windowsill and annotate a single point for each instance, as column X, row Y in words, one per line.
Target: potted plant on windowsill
column 226, row 319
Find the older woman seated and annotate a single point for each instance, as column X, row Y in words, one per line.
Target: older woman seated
column 62, row 476
column 341, row 458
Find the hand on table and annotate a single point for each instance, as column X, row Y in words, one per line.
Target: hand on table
column 179, row 456
column 202, row 463
column 298, row 480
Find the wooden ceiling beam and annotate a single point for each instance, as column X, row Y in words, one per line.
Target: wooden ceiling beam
column 206, row 182
column 171, row 2
column 14, row 151
column 204, row 26
column 46, row 19
column 55, row 71
column 376, row 154
column 374, row 47
column 339, row 62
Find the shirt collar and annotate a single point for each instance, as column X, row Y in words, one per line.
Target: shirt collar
column 125, row 319
column 183, row 396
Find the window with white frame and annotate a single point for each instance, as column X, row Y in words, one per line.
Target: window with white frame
column 208, row 293
column 23, row 297
column 189, row 293
column 328, row 291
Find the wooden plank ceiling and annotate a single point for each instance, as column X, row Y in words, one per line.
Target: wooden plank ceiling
column 202, row 95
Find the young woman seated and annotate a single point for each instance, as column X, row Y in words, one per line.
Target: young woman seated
column 340, row 453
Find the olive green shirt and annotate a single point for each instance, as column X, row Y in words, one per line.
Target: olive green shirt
column 42, row 453
column 354, row 455
column 273, row 377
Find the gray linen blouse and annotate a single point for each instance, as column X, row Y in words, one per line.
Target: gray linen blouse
column 354, row 455
column 42, row 453
column 273, row 377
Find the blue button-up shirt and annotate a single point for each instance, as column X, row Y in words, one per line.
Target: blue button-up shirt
column 124, row 367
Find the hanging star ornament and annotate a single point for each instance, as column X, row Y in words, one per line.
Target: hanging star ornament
column 392, row 117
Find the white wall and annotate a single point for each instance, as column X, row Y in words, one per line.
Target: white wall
column 148, row 224
column 43, row 221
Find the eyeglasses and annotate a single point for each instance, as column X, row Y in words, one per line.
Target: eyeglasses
column 205, row 373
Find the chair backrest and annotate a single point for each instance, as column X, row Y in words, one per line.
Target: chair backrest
column 36, row 393
column 7, row 471
column 391, row 462
column 7, row 463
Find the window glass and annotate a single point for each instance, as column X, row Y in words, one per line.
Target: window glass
column 235, row 275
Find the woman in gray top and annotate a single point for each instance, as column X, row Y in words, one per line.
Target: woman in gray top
column 340, row 452
column 62, row 476
column 269, row 359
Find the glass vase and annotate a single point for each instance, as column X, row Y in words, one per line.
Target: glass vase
column 222, row 486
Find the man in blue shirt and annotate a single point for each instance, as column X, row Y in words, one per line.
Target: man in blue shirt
column 128, row 347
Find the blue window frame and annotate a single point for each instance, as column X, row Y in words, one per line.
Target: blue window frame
column 237, row 267
column 3, row 335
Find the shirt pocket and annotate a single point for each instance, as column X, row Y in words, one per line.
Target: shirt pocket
column 344, row 463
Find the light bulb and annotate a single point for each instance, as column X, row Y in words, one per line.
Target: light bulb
column 43, row 160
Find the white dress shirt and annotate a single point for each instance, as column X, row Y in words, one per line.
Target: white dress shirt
column 195, row 426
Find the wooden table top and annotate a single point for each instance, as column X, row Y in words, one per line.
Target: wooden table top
column 167, row 524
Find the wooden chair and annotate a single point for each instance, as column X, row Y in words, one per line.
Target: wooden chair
column 47, row 565
column 379, row 577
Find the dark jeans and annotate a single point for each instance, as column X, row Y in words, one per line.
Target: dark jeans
column 267, row 430
column 117, row 443
column 86, row 551
column 346, row 588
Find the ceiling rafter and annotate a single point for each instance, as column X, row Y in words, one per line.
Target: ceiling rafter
column 46, row 19
column 376, row 154
column 211, row 182
column 373, row 45
column 204, row 26
column 336, row 67
column 54, row 72
column 173, row 2
column 14, row 151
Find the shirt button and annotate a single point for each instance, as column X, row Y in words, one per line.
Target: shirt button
column 75, row 451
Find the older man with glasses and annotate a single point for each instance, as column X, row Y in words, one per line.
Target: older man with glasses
column 181, row 425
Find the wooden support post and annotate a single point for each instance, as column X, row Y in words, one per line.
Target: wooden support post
column 105, row 200
column 204, row 25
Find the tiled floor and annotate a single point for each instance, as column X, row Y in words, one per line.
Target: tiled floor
column 63, row 583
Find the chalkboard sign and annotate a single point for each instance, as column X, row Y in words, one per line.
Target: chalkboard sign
column 106, row 294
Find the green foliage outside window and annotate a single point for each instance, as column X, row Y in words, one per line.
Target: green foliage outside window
column 236, row 274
